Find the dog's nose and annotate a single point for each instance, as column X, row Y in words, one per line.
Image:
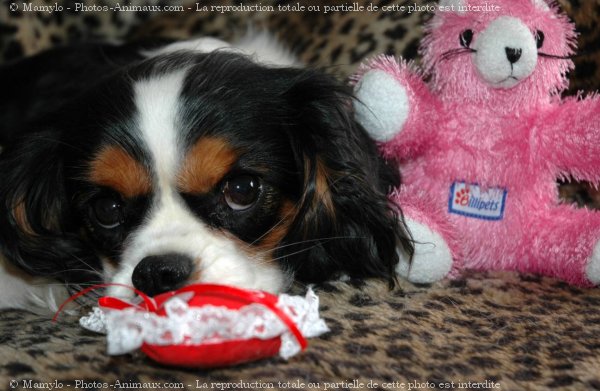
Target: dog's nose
column 513, row 55
column 161, row 273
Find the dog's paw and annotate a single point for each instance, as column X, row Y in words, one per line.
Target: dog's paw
column 432, row 259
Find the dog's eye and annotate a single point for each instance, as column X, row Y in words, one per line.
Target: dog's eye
column 465, row 38
column 539, row 39
column 241, row 192
column 107, row 212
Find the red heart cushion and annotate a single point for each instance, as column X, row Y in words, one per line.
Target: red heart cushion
column 212, row 354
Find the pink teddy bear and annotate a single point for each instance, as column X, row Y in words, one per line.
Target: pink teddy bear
column 481, row 144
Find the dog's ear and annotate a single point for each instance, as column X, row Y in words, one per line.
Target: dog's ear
column 37, row 231
column 345, row 223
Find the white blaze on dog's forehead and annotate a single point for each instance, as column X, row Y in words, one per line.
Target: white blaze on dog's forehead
column 157, row 103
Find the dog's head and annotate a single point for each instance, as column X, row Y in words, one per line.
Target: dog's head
column 201, row 168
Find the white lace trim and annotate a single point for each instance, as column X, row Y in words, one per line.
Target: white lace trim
column 128, row 329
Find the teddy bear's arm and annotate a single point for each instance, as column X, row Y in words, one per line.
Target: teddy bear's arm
column 395, row 106
column 572, row 140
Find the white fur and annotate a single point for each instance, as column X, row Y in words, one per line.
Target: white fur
column 432, row 259
column 491, row 60
column 262, row 47
column 22, row 291
column 541, row 4
column 202, row 45
column 381, row 106
column 592, row 269
column 157, row 102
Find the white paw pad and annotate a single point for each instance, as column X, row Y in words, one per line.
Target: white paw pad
column 592, row 269
column 432, row 259
column 381, row 105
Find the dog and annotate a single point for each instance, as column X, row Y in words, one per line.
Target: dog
column 164, row 164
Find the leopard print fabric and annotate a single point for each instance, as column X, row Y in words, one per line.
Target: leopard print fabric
column 340, row 38
column 518, row 332
column 336, row 41
column 24, row 33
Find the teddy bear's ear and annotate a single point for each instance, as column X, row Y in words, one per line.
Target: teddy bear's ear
column 453, row 4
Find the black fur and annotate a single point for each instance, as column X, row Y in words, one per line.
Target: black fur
column 359, row 235
column 296, row 123
column 43, row 98
column 32, row 178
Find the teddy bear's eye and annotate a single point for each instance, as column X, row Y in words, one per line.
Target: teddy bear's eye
column 539, row 39
column 465, row 38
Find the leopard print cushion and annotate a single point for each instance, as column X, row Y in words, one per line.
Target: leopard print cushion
column 513, row 331
column 519, row 332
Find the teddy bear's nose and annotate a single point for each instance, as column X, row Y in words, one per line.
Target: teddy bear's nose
column 513, row 55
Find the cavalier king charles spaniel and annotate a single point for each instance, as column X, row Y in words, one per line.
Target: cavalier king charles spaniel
column 195, row 161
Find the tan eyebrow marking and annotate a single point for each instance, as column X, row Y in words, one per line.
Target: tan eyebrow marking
column 205, row 165
column 115, row 168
